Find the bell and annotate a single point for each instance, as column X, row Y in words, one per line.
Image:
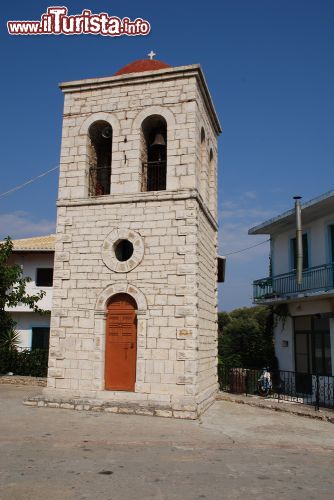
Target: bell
column 106, row 132
column 158, row 140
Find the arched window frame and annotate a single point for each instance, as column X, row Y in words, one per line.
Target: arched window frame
column 212, row 181
column 84, row 133
column 100, row 138
column 154, row 156
column 203, row 187
column 169, row 116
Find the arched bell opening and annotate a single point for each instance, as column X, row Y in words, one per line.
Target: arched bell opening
column 203, row 170
column 202, row 137
column 100, row 156
column 154, row 153
column 212, row 182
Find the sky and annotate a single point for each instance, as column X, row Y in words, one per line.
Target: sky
column 270, row 69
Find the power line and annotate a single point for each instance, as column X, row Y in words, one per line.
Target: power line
column 247, row 248
column 20, row 186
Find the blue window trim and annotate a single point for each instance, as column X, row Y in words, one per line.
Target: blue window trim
column 291, row 259
column 33, row 325
column 328, row 243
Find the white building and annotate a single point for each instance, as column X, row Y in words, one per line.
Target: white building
column 36, row 257
column 304, row 333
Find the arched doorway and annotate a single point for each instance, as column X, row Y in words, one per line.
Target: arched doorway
column 121, row 343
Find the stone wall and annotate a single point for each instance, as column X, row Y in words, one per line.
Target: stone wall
column 179, row 100
column 22, row 380
column 207, row 176
column 167, row 267
column 207, row 309
column 125, row 108
column 172, row 273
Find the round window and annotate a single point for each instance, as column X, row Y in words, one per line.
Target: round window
column 123, row 250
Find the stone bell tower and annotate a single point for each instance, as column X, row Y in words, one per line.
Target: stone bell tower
column 134, row 317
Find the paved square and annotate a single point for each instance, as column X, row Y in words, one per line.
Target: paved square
column 235, row 451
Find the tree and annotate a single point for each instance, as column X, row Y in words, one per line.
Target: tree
column 246, row 338
column 12, row 291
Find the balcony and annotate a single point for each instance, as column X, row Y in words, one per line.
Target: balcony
column 315, row 279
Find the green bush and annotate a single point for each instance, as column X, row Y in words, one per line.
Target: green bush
column 246, row 338
column 32, row 363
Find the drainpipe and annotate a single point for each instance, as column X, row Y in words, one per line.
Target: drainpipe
column 299, row 240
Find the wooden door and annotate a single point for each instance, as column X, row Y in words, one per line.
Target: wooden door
column 121, row 344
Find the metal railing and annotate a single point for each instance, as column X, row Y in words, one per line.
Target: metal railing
column 319, row 278
column 304, row 388
column 99, row 180
column 154, row 175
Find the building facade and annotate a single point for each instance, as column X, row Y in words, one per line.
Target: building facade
column 35, row 256
column 134, row 314
column 304, row 330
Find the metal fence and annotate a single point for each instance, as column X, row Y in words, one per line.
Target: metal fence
column 304, row 388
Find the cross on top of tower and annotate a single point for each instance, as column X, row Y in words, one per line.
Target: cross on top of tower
column 151, row 54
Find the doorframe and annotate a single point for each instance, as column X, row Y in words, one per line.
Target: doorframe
column 310, row 344
column 113, row 347
column 100, row 320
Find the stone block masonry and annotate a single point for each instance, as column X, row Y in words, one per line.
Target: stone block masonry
column 172, row 270
column 168, row 361
column 149, row 408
